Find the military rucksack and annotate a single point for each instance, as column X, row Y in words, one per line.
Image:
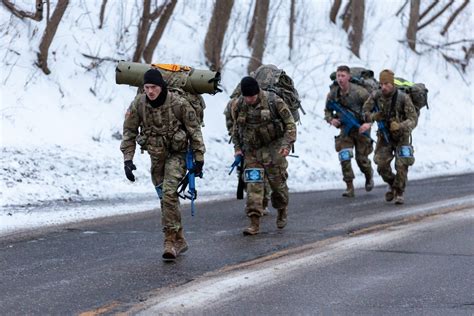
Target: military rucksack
column 417, row 91
column 174, row 75
column 271, row 78
column 360, row 76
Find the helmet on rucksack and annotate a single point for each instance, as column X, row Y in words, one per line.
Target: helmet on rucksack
column 271, row 78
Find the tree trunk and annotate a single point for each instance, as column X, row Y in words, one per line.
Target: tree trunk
column 346, row 16
column 102, row 12
column 166, row 13
column 292, row 27
column 142, row 33
column 334, row 10
column 258, row 43
column 216, row 32
column 37, row 16
column 48, row 35
column 357, row 21
column 412, row 28
column 251, row 32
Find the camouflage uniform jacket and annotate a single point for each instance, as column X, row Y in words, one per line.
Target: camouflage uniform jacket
column 400, row 110
column 353, row 100
column 162, row 130
column 256, row 126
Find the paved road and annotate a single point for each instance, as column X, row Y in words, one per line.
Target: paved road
column 116, row 262
column 423, row 268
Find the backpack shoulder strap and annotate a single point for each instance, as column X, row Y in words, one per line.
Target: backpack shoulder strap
column 272, row 105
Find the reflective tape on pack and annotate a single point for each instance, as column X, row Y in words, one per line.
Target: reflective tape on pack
column 405, row 151
column 345, row 154
column 399, row 82
column 253, row 175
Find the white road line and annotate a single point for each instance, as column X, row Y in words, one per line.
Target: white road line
column 215, row 288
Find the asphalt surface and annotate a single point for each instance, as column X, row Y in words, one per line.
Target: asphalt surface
column 115, row 263
column 420, row 270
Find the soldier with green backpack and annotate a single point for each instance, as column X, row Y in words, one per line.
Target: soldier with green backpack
column 394, row 109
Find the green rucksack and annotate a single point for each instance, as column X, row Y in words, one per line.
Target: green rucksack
column 271, row 78
column 417, row 91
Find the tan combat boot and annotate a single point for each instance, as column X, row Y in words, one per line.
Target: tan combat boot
column 169, row 253
column 281, row 217
column 390, row 194
column 369, row 183
column 180, row 244
column 399, row 197
column 254, row 226
column 349, row 190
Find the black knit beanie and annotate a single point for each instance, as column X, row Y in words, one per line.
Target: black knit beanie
column 153, row 76
column 249, row 87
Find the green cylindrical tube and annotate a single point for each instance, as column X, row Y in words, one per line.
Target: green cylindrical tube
column 189, row 79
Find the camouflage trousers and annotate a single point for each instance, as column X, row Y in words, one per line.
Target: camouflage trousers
column 274, row 166
column 363, row 148
column 169, row 171
column 384, row 154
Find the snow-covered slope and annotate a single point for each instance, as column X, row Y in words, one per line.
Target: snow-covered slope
column 57, row 131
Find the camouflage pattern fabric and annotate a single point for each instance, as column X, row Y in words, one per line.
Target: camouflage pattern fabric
column 260, row 137
column 363, row 148
column 403, row 113
column 230, row 113
column 353, row 100
column 165, row 132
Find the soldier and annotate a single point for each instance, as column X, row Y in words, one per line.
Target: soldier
column 351, row 97
column 398, row 111
column 163, row 123
column 230, row 113
column 264, row 132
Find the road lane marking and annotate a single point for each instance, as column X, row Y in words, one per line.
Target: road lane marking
column 226, row 284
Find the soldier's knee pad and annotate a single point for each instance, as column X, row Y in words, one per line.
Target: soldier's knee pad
column 254, row 175
column 405, row 155
column 345, row 154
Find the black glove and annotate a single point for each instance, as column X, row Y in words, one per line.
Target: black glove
column 129, row 167
column 198, row 168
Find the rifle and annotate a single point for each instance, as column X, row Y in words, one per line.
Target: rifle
column 239, row 163
column 382, row 126
column 189, row 179
column 348, row 120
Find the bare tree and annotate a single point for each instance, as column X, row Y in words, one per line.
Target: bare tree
column 102, row 12
column 165, row 15
column 37, row 15
column 251, row 32
column 292, row 27
column 402, row 7
column 346, row 16
column 48, row 35
column 258, row 42
column 216, row 32
column 436, row 15
column 357, row 22
column 428, row 9
column 334, row 10
column 144, row 28
column 453, row 16
column 412, row 28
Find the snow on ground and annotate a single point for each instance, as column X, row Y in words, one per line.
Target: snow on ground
column 60, row 133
